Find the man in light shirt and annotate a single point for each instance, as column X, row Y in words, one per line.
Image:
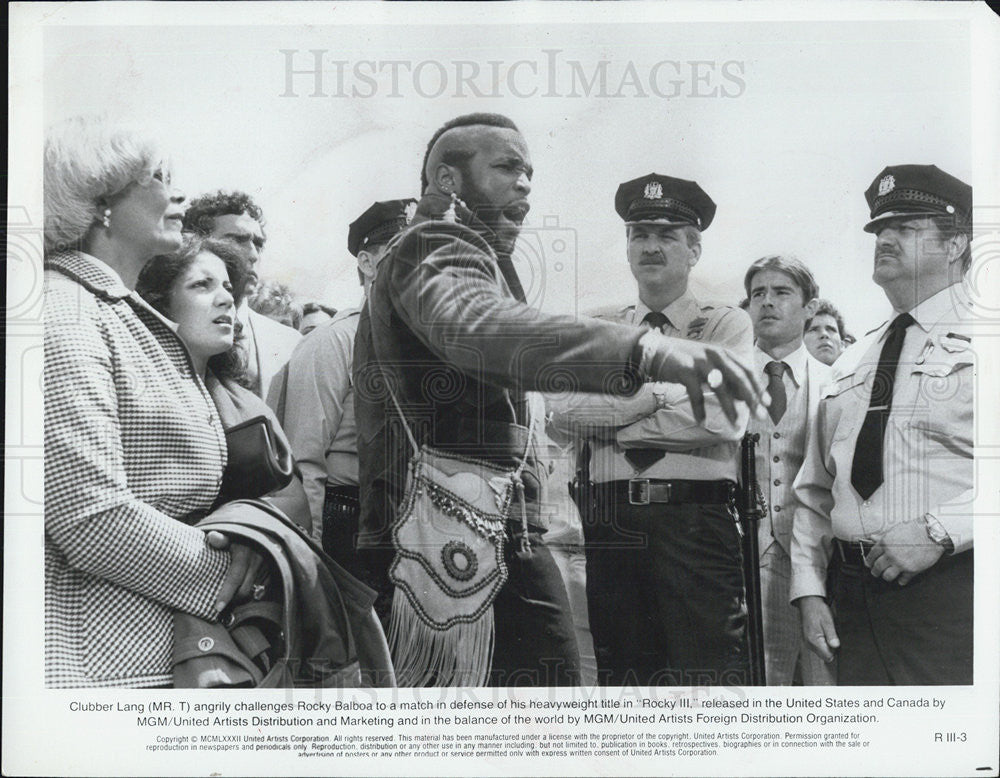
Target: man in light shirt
column 782, row 296
column 886, row 489
column 314, row 395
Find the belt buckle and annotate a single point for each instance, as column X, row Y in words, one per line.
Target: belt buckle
column 847, row 549
column 638, row 491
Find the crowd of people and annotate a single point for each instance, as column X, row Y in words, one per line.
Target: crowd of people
column 611, row 552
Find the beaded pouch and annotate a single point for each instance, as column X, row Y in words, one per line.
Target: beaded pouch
column 449, row 566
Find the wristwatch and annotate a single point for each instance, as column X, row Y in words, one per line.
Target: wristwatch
column 938, row 534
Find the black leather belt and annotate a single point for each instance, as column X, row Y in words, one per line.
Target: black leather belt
column 851, row 553
column 643, row 491
column 343, row 494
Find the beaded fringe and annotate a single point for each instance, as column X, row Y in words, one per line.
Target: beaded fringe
column 423, row 656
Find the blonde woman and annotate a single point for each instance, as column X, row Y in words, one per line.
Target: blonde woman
column 134, row 449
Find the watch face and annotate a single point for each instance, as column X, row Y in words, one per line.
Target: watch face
column 937, row 533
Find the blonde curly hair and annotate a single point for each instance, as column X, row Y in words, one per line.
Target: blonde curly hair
column 89, row 159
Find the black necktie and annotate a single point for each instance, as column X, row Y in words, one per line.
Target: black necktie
column 655, row 320
column 776, row 388
column 866, row 470
column 641, row 458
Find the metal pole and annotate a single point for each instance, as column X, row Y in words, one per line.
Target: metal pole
column 750, row 515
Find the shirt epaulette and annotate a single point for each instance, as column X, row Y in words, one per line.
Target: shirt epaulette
column 346, row 313
column 606, row 311
column 715, row 305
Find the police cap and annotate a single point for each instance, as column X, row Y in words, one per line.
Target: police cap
column 664, row 200
column 917, row 190
column 380, row 223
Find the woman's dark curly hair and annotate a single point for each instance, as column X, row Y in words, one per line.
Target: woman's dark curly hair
column 158, row 276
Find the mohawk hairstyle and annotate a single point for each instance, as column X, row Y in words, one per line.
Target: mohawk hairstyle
column 468, row 120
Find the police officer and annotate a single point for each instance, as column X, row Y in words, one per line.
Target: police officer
column 887, row 484
column 315, row 401
column 664, row 563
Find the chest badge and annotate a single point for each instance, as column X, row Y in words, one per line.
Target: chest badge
column 953, row 342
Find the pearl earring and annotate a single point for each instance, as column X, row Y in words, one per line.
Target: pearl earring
column 106, row 221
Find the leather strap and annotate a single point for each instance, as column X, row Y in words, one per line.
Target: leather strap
column 252, row 642
column 214, row 640
column 258, row 609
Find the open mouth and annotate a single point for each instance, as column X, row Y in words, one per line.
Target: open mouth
column 228, row 320
column 516, row 212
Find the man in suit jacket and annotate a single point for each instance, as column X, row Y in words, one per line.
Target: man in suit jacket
column 269, row 346
column 782, row 294
column 236, row 218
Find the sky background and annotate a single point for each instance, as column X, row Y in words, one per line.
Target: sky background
column 784, row 124
column 832, row 92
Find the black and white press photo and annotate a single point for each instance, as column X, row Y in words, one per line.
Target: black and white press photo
column 518, row 388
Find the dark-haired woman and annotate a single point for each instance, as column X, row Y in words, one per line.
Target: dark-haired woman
column 197, row 289
column 194, row 288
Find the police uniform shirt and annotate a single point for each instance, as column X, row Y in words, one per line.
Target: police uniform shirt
column 702, row 452
column 318, row 412
column 928, row 444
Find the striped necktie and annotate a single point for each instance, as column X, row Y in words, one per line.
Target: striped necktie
column 776, row 388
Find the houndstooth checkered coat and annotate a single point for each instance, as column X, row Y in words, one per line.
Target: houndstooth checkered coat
column 133, row 450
